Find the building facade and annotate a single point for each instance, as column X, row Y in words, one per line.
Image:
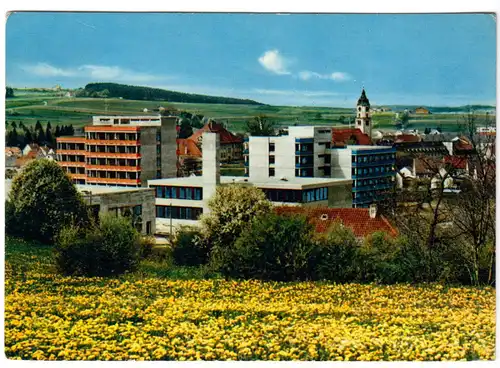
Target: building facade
column 181, row 201
column 371, row 169
column 121, row 151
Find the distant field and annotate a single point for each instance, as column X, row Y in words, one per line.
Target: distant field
column 44, row 106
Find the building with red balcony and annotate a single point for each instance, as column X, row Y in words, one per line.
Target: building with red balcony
column 121, row 151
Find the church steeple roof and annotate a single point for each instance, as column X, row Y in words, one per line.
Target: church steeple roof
column 363, row 100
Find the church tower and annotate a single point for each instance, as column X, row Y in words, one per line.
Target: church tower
column 363, row 118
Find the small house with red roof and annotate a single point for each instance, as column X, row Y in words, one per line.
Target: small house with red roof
column 349, row 136
column 231, row 145
column 362, row 221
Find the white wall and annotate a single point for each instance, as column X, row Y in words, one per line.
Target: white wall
column 285, row 156
column 341, row 163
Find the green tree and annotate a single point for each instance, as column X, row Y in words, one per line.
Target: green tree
column 110, row 248
column 261, row 125
column 274, row 247
column 186, row 130
column 9, row 92
column 232, row 208
column 337, row 255
column 43, row 200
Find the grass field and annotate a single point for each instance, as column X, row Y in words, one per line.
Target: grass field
column 165, row 313
column 33, row 106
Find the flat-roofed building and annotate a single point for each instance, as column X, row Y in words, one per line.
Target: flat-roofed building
column 121, row 151
column 181, row 201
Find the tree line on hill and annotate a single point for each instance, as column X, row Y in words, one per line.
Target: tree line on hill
column 9, row 92
column 20, row 135
column 154, row 94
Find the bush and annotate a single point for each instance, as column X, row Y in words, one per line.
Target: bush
column 273, row 248
column 337, row 256
column 188, row 247
column 43, row 200
column 110, row 248
column 146, row 246
column 232, row 209
column 379, row 259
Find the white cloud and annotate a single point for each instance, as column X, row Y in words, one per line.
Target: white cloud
column 274, row 62
column 340, row 76
column 96, row 73
column 335, row 76
column 47, row 70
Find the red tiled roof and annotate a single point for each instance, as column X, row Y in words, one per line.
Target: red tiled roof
column 407, row 138
column 226, row 136
column 21, row 161
column 187, row 147
column 462, row 144
column 358, row 219
column 427, row 165
column 13, row 151
column 341, row 136
column 456, row 161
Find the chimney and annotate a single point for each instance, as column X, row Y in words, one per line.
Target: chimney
column 373, row 211
column 211, row 166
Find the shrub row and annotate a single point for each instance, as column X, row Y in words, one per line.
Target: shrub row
column 285, row 248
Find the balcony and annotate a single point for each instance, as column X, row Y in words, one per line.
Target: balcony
column 113, row 181
column 71, row 163
column 304, row 140
column 304, row 165
column 245, row 151
column 304, row 153
column 77, row 176
column 114, row 168
column 246, row 163
column 113, row 142
column 112, row 155
column 71, row 152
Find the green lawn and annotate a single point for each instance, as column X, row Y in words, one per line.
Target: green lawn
column 30, row 108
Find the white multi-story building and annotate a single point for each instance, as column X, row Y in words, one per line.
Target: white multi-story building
column 181, row 201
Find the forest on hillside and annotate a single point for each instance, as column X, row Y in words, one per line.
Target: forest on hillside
column 128, row 92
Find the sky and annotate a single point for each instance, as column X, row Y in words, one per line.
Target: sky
column 298, row 59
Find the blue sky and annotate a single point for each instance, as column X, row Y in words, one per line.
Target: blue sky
column 307, row 59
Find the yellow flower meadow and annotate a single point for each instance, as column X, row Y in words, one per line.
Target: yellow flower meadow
column 50, row 317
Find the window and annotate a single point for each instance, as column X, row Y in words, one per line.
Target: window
column 198, row 194
column 271, row 171
column 158, row 174
column 189, row 193
column 271, row 147
column 159, row 192
column 182, row 194
column 271, row 159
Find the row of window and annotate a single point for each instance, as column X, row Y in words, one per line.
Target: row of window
column 113, row 174
column 179, row 192
column 304, row 147
column 379, row 181
column 71, row 146
column 71, row 158
column 113, row 162
column 372, row 170
column 304, row 173
column 366, row 195
column 178, row 213
column 114, row 136
column 113, row 149
column 296, row 196
column 373, row 158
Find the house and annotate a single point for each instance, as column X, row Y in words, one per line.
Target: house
column 352, row 136
column 422, row 111
column 29, row 148
column 362, row 221
column 231, row 145
column 407, row 138
column 13, row 152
